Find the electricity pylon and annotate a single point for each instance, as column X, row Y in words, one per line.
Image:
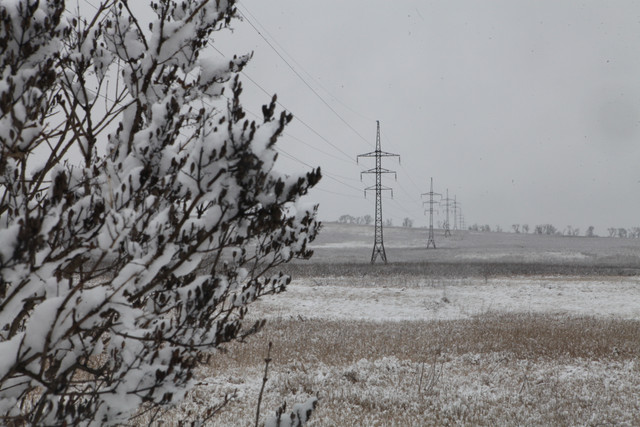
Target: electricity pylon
column 447, row 204
column 431, row 240
column 456, row 210
column 461, row 219
column 378, row 244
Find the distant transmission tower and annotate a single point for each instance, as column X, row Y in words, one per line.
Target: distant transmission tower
column 378, row 244
column 431, row 241
column 447, row 203
column 456, row 210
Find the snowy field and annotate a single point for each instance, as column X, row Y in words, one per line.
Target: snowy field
column 444, row 337
column 449, row 299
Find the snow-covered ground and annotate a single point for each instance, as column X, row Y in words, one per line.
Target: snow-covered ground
column 368, row 341
column 415, row 297
column 446, row 299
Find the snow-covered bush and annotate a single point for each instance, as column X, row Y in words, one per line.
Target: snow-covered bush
column 296, row 418
column 139, row 209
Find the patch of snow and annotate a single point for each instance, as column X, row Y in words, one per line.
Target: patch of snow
column 530, row 257
column 336, row 245
column 456, row 299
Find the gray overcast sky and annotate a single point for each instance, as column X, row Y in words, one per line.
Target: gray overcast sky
column 527, row 111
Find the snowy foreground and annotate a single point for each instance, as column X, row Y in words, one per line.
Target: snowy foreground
column 419, row 351
column 414, row 349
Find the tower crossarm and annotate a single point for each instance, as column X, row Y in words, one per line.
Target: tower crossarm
column 430, row 195
column 374, row 188
column 378, row 154
column 380, row 171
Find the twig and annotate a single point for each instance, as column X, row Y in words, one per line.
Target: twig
column 214, row 410
column 267, row 360
column 432, row 378
column 525, row 379
column 524, row 383
column 420, row 381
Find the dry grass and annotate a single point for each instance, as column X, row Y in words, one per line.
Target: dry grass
column 447, row 269
column 493, row 369
column 523, row 336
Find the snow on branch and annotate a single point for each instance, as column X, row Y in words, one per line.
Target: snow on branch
column 140, row 213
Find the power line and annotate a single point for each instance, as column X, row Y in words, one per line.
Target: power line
column 302, row 121
column 313, row 147
column 244, row 73
column 328, row 175
column 386, row 136
column 316, row 81
column 335, row 193
column 407, row 193
column 403, row 211
column 286, row 154
column 292, row 157
column 295, row 138
column 304, row 80
column 279, row 149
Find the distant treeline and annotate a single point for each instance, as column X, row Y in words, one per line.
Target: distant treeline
column 368, row 219
column 551, row 230
column 541, row 229
column 348, row 219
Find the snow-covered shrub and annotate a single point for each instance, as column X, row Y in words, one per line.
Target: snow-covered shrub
column 139, row 209
column 296, row 418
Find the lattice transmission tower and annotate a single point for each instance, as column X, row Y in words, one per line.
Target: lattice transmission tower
column 447, row 204
column 378, row 244
column 431, row 240
column 456, row 210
